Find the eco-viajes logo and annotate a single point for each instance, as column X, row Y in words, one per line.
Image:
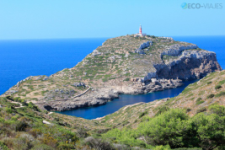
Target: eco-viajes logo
column 184, row 5
column 201, row 5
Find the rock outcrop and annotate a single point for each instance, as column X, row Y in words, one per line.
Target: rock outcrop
column 144, row 45
column 176, row 49
column 191, row 64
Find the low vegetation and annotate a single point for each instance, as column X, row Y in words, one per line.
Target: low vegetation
column 174, row 128
column 160, row 124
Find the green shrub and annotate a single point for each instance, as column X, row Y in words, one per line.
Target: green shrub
column 42, row 147
column 176, row 129
column 167, row 128
column 9, row 97
column 222, row 82
column 143, row 113
column 162, row 110
column 218, row 87
column 188, row 110
column 32, row 106
column 98, row 144
column 64, row 146
column 209, row 130
column 8, row 110
column 201, row 110
column 209, row 82
column 188, row 148
column 222, row 93
column 217, row 109
column 24, row 104
column 2, row 120
column 199, row 101
column 21, row 126
column 161, row 147
column 3, row 146
column 210, row 96
column 127, row 79
column 49, row 140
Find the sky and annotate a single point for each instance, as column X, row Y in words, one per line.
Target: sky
column 44, row 19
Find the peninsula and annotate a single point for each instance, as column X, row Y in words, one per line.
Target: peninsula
column 131, row 64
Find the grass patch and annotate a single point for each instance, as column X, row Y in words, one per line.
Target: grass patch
column 201, row 93
column 199, row 101
column 220, row 94
column 221, row 82
column 186, row 90
column 127, row 79
column 190, row 95
column 43, row 92
column 209, row 82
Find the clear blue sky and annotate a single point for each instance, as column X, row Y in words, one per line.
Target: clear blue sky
column 37, row 19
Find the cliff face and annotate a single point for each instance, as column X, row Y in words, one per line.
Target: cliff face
column 121, row 65
column 190, row 65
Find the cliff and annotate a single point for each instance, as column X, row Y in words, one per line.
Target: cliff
column 126, row 64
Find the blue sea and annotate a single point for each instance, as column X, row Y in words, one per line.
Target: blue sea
column 22, row 58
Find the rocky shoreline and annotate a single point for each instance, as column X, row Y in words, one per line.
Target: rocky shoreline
column 190, row 65
column 103, row 95
column 122, row 65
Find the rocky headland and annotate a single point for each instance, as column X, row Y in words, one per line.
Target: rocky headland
column 122, row 65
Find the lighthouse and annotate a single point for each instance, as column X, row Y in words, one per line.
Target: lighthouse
column 140, row 30
column 140, row 34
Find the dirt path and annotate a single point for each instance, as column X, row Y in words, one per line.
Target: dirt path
column 50, row 113
column 82, row 93
column 46, row 122
column 16, row 103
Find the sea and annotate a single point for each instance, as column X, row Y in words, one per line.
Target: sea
column 22, row 58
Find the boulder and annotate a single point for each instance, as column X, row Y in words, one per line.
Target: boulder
column 139, row 51
column 45, row 78
column 79, row 84
column 96, row 52
column 145, row 45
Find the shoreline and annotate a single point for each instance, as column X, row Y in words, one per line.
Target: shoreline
column 128, row 105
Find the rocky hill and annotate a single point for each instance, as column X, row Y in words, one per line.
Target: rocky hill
column 126, row 64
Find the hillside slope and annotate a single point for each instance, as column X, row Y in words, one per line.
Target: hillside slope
column 195, row 98
column 195, row 118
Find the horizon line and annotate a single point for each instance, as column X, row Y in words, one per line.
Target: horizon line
column 103, row 37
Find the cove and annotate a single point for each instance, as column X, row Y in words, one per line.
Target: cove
column 123, row 100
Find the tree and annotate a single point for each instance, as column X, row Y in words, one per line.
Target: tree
column 210, row 130
column 169, row 128
column 217, row 109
